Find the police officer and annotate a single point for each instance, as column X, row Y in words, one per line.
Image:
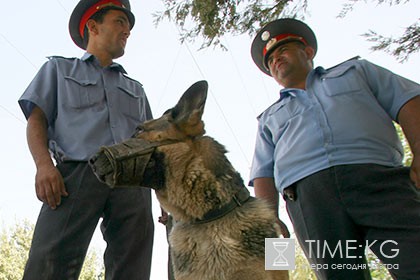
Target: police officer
column 329, row 146
column 73, row 107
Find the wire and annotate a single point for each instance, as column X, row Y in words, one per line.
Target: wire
column 12, row 114
column 30, row 62
column 17, row 50
column 169, row 77
column 61, row 4
column 216, row 102
column 240, row 77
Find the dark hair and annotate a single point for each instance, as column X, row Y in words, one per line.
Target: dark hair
column 98, row 17
column 300, row 44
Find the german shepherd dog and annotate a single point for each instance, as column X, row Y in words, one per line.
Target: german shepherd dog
column 220, row 230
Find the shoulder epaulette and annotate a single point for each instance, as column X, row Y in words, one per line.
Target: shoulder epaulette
column 357, row 57
column 61, row 57
column 128, row 77
column 259, row 116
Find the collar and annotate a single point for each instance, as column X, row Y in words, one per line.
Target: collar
column 239, row 199
column 287, row 92
column 90, row 57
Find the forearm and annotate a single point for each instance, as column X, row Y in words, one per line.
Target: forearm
column 36, row 133
column 265, row 188
column 409, row 119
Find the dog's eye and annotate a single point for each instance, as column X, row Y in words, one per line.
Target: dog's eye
column 139, row 129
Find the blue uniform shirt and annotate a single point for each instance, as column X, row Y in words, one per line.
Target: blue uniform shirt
column 86, row 105
column 343, row 117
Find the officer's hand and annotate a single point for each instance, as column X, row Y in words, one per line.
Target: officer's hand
column 415, row 171
column 283, row 228
column 49, row 185
column 163, row 219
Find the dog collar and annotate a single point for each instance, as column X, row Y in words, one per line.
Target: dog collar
column 239, row 199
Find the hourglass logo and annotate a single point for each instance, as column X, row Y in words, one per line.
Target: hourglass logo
column 279, row 254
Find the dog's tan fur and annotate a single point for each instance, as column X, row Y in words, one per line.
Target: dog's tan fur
column 192, row 176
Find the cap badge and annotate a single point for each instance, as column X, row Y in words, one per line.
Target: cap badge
column 265, row 36
column 270, row 43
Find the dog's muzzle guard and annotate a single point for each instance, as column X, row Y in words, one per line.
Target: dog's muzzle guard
column 123, row 164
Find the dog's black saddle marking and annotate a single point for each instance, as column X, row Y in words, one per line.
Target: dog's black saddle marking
column 239, row 199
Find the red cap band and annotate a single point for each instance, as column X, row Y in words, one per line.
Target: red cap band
column 95, row 8
column 282, row 37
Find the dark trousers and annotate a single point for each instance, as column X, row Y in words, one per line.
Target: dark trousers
column 62, row 236
column 340, row 211
column 169, row 226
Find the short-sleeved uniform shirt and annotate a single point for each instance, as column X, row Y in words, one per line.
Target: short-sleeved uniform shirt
column 87, row 106
column 343, row 117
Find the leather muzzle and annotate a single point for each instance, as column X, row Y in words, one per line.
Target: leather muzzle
column 123, row 165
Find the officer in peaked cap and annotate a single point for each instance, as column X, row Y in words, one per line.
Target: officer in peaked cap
column 85, row 9
column 75, row 106
column 328, row 146
column 277, row 33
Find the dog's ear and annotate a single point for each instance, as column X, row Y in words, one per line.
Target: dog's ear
column 188, row 111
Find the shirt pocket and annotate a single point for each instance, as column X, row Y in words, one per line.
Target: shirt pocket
column 277, row 119
column 290, row 107
column 342, row 80
column 283, row 115
column 82, row 93
column 130, row 102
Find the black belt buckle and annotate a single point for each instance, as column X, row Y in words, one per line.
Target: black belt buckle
column 289, row 193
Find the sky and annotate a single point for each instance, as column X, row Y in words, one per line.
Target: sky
column 238, row 92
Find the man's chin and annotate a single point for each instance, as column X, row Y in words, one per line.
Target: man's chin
column 119, row 54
